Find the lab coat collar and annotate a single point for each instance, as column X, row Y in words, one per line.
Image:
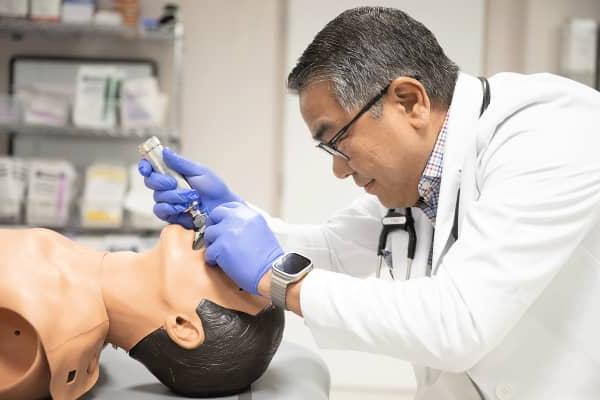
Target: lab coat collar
column 466, row 105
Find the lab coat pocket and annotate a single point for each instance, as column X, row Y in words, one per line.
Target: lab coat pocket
column 439, row 385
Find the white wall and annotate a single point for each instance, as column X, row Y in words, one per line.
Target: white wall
column 545, row 19
column 310, row 191
column 524, row 35
column 233, row 85
column 504, row 36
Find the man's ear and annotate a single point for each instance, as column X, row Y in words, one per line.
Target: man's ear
column 410, row 95
column 187, row 333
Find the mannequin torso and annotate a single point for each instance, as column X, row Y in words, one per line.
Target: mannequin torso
column 50, row 283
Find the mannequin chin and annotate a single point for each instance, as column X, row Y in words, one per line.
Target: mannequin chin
column 237, row 349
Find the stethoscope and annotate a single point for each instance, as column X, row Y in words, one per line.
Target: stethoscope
column 395, row 220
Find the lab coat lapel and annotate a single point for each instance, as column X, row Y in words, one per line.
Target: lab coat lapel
column 460, row 140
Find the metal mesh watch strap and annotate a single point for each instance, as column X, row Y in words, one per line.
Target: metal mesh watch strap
column 278, row 290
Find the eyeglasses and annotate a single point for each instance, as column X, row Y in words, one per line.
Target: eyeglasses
column 331, row 146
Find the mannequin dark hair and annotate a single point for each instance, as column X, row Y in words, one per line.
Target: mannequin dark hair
column 236, row 351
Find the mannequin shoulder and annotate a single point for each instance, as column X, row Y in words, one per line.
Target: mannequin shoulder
column 29, row 245
column 13, row 239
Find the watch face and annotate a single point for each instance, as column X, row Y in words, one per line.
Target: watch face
column 293, row 263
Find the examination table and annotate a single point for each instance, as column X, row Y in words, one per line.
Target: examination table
column 295, row 373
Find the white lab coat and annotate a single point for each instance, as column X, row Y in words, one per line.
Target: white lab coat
column 514, row 304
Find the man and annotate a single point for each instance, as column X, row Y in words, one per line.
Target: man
column 189, row 324
column 503, row 174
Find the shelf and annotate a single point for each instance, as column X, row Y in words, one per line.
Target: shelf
column 78, row 230
column 169, row 135
column 107, row 239
column 21, row 27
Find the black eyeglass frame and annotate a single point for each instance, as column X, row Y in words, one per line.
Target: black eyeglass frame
column 331, row 146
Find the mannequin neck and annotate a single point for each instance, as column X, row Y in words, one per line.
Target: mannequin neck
column 146, row 291
column 131, row 297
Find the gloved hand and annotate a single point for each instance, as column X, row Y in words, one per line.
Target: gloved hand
column 239, row 241
column 207, row 188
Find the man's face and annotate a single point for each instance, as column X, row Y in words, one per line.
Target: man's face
column 387, row 154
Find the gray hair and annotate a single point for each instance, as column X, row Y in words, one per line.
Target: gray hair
column 364, row 48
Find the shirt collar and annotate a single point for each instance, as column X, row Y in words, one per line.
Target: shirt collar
column 429, row 184
column 433, row 168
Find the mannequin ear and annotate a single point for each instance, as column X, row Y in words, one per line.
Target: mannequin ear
column 410, row 95
column 187, row 333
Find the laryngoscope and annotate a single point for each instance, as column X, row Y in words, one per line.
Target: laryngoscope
column 152, row 150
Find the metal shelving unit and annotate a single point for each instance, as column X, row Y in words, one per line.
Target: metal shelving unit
column 166, row 134
column 172, row 36
column 168, row 39
column 74, row 229
column 19, row 27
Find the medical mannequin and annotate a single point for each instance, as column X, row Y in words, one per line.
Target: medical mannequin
column 60, row 302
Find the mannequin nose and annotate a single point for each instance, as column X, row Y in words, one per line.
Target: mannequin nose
column 341, row 169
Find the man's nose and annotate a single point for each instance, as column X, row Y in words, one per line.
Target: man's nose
column 341, row 168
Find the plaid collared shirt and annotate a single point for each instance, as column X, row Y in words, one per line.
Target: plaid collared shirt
column 431, row 179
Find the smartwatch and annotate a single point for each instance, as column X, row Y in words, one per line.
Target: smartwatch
column 287, row 269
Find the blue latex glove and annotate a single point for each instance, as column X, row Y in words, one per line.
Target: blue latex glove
column 207, row 188
column 239, row 241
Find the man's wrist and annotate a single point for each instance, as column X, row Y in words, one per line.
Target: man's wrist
column 264, row 285
column 292, row 297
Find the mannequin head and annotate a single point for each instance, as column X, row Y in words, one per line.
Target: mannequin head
column 189, row 324
column 207, row 337
column 166, row 307
column 237, row 349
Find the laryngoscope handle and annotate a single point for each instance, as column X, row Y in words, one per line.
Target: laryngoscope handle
column 152, row 150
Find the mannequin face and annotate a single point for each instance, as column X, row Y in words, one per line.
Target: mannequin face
column 186, row 321
column 162, row 288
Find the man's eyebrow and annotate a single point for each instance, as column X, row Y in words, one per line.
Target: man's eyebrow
column 321, row 129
